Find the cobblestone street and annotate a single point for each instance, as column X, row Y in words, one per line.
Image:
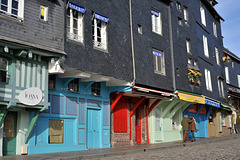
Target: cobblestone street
column 216, row 150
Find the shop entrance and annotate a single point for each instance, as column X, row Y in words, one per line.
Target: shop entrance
column 93, row 128
column 138, row 126
column 9, row 134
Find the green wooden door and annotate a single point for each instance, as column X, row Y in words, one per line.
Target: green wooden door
column 9, row 134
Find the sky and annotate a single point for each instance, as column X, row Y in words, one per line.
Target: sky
column 229, row 10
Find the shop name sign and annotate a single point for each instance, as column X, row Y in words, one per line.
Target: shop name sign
column 31, row 96
column 211, row 103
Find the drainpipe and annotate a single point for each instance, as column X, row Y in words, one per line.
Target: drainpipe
column 132, row 46
column 171, row 46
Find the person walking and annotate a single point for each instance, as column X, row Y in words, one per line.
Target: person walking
column 185, row 125
column 192, row 128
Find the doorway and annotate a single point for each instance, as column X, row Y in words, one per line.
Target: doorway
column 93, row 128
column 9, row 134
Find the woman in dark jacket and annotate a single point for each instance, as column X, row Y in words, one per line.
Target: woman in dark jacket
column 192, row 128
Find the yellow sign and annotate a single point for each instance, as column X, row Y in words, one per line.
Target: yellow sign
column 191, row 98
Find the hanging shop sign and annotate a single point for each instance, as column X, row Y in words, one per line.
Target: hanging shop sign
column 31, row 96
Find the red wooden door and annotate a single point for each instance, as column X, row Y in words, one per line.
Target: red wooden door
column 138, row 126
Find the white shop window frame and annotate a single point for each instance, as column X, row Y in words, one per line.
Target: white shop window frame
column 159, row 62
column 45, row 16
column 208, row 80
column 156, row 21
column 203, row 17
column 20, row 11
column 205, row 46
column 99, row 41
column 79, row 36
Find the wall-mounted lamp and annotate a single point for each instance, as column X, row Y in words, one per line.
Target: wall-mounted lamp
column 30, row 55
column 6, row 49
column 52, row 60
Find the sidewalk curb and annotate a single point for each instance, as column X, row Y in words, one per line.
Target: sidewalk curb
column 177, row 144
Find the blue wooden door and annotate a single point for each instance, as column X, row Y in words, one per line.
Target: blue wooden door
column 201, row 125
column 93, row 128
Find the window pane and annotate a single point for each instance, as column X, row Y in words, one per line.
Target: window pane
column 3, row 76
column 3, row 64
column 5, row 2
column 15, row 4
column 75, row 14
column 56, row 131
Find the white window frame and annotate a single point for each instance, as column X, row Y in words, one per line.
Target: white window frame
column 227, row 74
column 100, row 41
column 203, row 18
column 45, row 13
column 159, row 68
column 178, row 5
column 208, row 79
column 180, row 21
column 185, row 13
column 220, row 88
column 20, row 10
column 238, row 76
column 215, row 29
column 205, row 46
column 70, row 27
column 217, row 56
column 157, row 22
column 188, row 45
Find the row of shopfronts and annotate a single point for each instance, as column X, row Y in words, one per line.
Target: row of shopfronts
column 62, row 113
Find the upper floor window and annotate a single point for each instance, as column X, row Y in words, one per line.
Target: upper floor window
column 13, row 8
column 156, row 21
column 217, row 56
column 74, row 85
column 203, row 19
column 180, row 21
column 96, row 89
column 220, row 87
column 99, row 31
column 238, row 76
column 208, row 79
column 75, row 22
column 52, row 82
column 195, row 63
column 159, row 62
column 185, row 12
column 215, row 29
column 227, row 74
column 43, row 13
column 178, row 5
column 3, row 70
column 188, row 45
column 205, row 46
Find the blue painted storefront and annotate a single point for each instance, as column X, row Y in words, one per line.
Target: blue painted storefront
column 86, row 119
column 201, row 115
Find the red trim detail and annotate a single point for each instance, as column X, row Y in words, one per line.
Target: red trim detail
column 153, row 105
column 130, row 127
column 113, row 105
column 120, row 118
column 147, row 113
column 136, row 105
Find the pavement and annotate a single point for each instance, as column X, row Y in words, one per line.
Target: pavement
column 108, row 152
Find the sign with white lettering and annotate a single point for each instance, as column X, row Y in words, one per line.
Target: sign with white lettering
column 31, row 96
column 76, row 7
column 211, row 103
